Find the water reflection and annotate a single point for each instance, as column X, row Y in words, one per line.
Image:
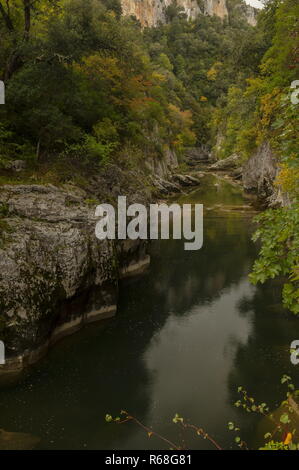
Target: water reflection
column 260, row 363
column 186, row 335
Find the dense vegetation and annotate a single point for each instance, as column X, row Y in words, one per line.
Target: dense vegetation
column 82, row 82
column 206, row 57
column 86, row 85
column 268, row 108
column 238, row 82
column 80, row 85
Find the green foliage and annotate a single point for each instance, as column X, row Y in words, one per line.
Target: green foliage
column 83, row 85
column 283, row 423
column 285, row 433
column 206, row 57
column 84, row 77
column 285, row 138
column 279, row 255
column 260, row 110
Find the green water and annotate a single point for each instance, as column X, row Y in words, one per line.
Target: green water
column 187, row 334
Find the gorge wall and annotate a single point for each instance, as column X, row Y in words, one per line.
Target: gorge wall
column 152, row 12
column 55, row 275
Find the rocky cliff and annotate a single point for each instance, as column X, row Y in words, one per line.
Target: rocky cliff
column 244, row 10
column 251, row 14
column 55, row 275
column 259, row 174
column 151, row 12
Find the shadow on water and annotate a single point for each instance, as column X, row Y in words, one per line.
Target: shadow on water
column 186, row 335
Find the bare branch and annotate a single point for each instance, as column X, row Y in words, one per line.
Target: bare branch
column 6, row 17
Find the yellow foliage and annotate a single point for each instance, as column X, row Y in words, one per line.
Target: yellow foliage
column 98, row 67
column 214, row 70
column 255, row 86
column 180, row 118
column 288, row 439
column 158, row 77
column 288, row 179
column 269, row 104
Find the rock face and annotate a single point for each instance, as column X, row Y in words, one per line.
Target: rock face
column 251, row 14
column 162, row 167
column 55, row 275
column 151, row 12
column 243, row 10
column 215, row 7
column 259, row 173
column 49, row 256
column 228, row 163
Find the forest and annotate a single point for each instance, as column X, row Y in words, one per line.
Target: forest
column 85, row 85
column 90, row 92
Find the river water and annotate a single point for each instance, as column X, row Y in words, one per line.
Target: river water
column 186, row 335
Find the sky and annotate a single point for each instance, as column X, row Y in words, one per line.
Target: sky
column 254, row 3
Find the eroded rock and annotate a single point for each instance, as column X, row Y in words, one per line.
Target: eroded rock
column 227, row 163
column 259, row 174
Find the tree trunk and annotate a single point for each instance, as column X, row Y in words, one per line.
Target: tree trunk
column 14, row 62
column 6, row 18
column 27, row 18
column 38, row 150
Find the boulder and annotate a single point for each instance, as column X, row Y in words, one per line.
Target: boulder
column 16, row 165
column 237, row 173
column 227, row 163
column 55, row 275
column 185, row 180
column 259, row 173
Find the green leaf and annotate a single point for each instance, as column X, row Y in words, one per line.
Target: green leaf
column 284, row 419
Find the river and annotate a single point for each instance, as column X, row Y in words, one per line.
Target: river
column 187, row 334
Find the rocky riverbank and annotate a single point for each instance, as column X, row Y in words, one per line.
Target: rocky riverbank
column 55, row 275
column 257, row 175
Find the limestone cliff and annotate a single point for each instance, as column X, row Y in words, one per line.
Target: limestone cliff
column 242, row 9
column 259, row 174
column 151, row 12
column 55, row 275
column 251, row 15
